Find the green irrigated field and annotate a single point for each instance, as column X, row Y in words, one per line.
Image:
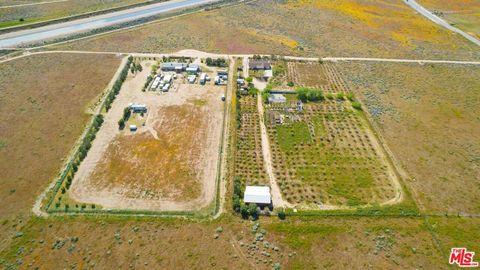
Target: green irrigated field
column 326, row 154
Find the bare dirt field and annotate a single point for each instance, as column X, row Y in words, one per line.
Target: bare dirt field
column 428, row 115
column 44, row 104
column 365, row 28
column 169, row 163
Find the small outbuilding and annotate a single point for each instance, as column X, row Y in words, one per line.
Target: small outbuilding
column 133, row 128
column 260, row 195
column 138, row 108
column 173, row 66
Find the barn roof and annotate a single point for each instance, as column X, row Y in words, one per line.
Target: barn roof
column 257, row 194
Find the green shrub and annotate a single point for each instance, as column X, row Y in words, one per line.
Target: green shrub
column 253, row 211
column 281, row 214
column 244, row 211
column 356, row 105
column 308, row 94
column 340, row 96
column 291, row 84
column 121, row 124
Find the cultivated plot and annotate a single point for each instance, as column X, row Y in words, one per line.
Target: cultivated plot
column 249, row 158
column 324, row 153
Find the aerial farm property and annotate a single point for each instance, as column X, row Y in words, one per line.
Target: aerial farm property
column 319, row 149
column 158, row 145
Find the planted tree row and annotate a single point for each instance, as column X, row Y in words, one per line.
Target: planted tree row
column 118, row 84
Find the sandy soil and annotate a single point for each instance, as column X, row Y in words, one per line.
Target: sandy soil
column 109, row 195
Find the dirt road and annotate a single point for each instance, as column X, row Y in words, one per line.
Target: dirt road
column 277, row 199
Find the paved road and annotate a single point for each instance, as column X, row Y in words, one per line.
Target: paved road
column 56, row 30
column 419, row 8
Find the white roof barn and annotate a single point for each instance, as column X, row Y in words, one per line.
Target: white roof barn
column 257, row 194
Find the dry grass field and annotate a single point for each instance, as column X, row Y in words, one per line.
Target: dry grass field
column 44, row 101
column 464, row 14
column 324, row 243
column 363, row 28
column 158, row 167
column 428, row 115
column 12, row 16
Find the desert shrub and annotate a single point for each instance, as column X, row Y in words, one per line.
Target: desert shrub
column 329, row 96
column 281, row 214
column 340, row 96
column 291, row 84
column 350, row 96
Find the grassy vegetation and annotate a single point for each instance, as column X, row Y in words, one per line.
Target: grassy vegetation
column 430, row 122
column 20, row 15
column 355, row 28
column 45, row 102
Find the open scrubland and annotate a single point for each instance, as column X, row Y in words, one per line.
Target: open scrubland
column 45, row 101
column 298, row 243
column 428, row 115
column 363, row 28
column 464, row 14
column 18, row 15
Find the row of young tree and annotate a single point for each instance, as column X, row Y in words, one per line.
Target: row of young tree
column 82, row 153
column 90, row 136
column 127, row 112
column 118, row 84
column 217, row 62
